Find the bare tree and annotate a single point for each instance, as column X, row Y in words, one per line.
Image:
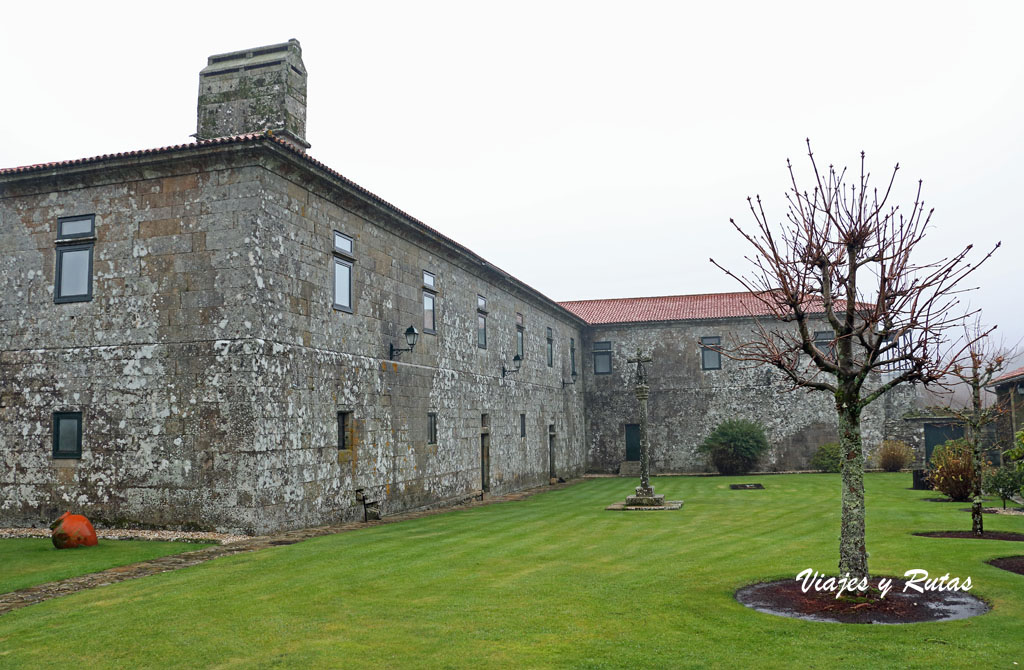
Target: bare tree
column 981, row 363
column 844, row 255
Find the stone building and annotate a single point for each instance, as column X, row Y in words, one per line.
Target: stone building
column 214, row 335
column 694, row 388
column 1009, row 390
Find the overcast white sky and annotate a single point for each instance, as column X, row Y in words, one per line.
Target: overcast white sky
column 591, row 149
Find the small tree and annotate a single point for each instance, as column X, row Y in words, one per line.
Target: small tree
column 1005, row 482
column 845, row 255
column 981, row 363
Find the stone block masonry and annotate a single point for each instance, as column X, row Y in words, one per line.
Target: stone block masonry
column 210, row 364
column 687, row 402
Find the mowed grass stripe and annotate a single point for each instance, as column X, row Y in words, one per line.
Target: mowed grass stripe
column 554, row 581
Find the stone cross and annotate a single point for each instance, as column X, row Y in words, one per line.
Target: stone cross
column 641, row 372
column 645, row 492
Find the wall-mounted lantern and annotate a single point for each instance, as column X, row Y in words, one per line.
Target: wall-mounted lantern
column 411, row 337
column 565, row 383
column 517, row 362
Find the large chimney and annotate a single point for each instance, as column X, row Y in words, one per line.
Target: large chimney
column 255, row 90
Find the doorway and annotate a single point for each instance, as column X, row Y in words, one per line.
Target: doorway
column 485, row 461
column 632, row 442
column 939, row 433
column 551, row 453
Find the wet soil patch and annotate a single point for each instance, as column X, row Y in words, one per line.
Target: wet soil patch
column 786, row 598
column 968, row 535
column 1011, row 563
column 744, row 487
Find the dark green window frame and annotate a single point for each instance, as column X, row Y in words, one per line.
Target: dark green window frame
column 602, row 358
column 522, row 425
column 344, row 261
column 432, row 428
column 481, row 322
column 824, row 340
column 551, row 348
column 429, row 313
column 709, row 358
column 58, row 418
column 344, row 431
column 572, row 356
column 58, row 279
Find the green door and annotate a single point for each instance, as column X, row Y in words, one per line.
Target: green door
column 632, row 442
column 939, row 433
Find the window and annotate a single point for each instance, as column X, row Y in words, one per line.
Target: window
column 344, row 430
column 890, row 357
column 709, row 358
column 522, row 425
column 520, row 334
column 572, row 356
column 823, row 340
column 429, row 303
column 481, row 322
column 602, row 358
column 432, row 428
column 429, row 315
column 343, row 260
column 73, row 275
column 67, row 434
column 551, row 348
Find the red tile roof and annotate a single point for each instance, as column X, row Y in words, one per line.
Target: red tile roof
column 1009, row 376
column 667, row 308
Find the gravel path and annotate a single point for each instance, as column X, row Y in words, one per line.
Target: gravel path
column 229, row 544
column 125, row 534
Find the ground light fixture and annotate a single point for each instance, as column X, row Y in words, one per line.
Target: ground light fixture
column 412, row 336
column 517, row 362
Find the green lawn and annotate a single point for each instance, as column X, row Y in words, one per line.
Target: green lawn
column 27, row 562
column 551, row 582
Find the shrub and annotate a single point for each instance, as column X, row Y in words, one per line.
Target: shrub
column 735, row 446
column 1004, row 482
column 827, row 458
column 952, row 470
column 894, row 455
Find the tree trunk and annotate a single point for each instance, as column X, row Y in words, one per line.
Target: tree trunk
column 977, row 526
column 853, row 555
column 974, row 435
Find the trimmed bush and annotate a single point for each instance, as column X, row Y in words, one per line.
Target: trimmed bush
column 735, row 446
column 1004, row 482
column 952, row 470
column 827, row 458
column 894, row 455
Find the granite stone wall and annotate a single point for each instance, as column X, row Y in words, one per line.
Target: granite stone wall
column 210, row 364
column 687, row 402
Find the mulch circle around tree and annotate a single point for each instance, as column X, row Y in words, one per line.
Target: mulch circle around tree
column 786, row 598
column 968, row 535
column 1011, row 563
